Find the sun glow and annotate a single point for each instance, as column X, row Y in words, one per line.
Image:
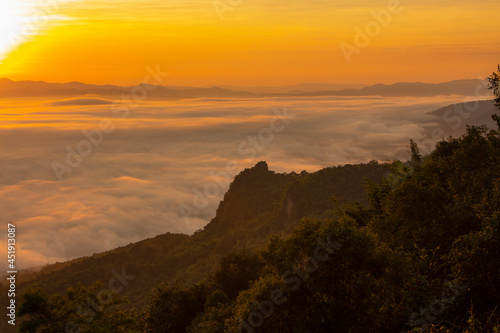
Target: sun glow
column 114, row 41
column 13, row 17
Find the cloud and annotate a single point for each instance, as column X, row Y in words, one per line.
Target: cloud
column 131, row 184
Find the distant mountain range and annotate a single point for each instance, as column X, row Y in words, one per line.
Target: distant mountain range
column 12, row 89
column 302, row 87
column 452, row 120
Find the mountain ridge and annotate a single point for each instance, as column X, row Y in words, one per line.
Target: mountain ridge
column 465, row 87
column 249, row 213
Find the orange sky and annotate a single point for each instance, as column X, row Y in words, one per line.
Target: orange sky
column 272, row 42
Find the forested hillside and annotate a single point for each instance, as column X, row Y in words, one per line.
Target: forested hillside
column 258, row 203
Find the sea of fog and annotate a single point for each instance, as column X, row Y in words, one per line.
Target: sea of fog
column 85, row 175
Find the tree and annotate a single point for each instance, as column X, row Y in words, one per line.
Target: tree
column 172, row 309
column 444, row 197
column 217, row 310
column 83, row 309
column 494, row 79
column 237, row 270
column 326, row 276
column 475, row 261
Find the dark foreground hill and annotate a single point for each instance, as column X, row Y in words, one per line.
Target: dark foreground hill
column 258, row 203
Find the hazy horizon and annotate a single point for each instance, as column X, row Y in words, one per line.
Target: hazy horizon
column 262, row 84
